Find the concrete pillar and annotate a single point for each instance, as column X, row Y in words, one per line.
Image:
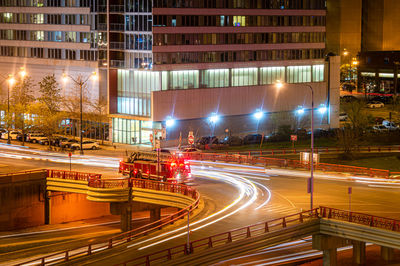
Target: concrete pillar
column 328, row 244
column 329, row 257
column 387, row 253
column 126, row 219
column 358, row 252
column 155, row 214
column 123, row 209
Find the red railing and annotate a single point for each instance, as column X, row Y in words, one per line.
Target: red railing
column 92, row 248
column 223, row 238
column 360, row 218
column 284, row 151
column 278, row 162
column 72, row 175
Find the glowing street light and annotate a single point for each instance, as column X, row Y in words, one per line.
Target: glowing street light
column 300, row 111
column 279, row 85
column 258, row 115
column 170, row 122
column 322, row 109
column 214, row 118
column 22, row 72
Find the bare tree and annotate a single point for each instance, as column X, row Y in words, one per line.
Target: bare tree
column 21, row 99
column 99, row 115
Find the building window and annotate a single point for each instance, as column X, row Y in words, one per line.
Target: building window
column 185, row 79
column 318, row 73
column 269, row 75
column 244, row 76
column 298, row 74
column 215, row 78
column 239, row 21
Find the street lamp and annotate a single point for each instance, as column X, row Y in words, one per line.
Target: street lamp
column 279, row 85
column 11, row 82
column 80, row 82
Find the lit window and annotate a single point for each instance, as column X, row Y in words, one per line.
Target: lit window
column 239, row 21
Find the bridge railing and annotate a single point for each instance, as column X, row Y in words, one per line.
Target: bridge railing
column 223, row 238
column 72, row 175
column 360, row 218
column 126, row 237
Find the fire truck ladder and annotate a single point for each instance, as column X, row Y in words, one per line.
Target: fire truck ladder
column 151, row 156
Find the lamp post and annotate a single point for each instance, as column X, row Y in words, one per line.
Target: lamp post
column 80, row 82
column 11, row 81
column 279, row 85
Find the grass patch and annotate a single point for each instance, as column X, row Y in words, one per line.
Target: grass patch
column 379, row 161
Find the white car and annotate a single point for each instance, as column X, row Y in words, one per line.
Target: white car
column 13, row 135
column 375, row 104
column 343, row 117
column 380, row 128
column 35, row 137
column 86, row 145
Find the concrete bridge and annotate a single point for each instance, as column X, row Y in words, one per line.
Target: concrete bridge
column 330, row 229
column 121, row 193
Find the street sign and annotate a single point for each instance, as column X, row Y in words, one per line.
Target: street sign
column 293, row 137
column 151, row 138
column 350, row 190
column 69, row 154
column 191, row 139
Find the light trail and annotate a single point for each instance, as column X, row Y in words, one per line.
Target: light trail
column 245, row 187
column 23, row 152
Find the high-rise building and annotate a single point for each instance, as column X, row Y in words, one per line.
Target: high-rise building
column 185, row 61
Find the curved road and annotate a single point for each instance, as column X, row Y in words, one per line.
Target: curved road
column 234, row 196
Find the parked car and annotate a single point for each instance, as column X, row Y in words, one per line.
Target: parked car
column 252, row 139
column 67, row 143
column 13, row 135
column 390, row 125
column 44, row 141
column 382, row 99
column 2, row 130
column 207, row 140
column 56, row 141
column 343, row 117
column 379, row 128
column 375, row 104
column 35, row 137
column 348, row 98
column 232, row 141
column 86, row 145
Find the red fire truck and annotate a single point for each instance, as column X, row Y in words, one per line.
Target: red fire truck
column 166, row 169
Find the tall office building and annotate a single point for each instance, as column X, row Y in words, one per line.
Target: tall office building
column 182, row 62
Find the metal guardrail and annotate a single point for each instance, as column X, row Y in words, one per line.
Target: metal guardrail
column 283, row 163
column 360, row 218
column 265, row 227
column 126, row 237
column 223, row 238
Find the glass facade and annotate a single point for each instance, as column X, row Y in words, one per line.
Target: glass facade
column 269, row 75
column 134, row 91
column 244, row 76
column 215, row 78
column 130, row 131
column 298, row 74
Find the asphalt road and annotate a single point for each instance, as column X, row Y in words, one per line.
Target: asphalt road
column 234, row 196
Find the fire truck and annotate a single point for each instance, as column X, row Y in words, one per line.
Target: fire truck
column 159, row 167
